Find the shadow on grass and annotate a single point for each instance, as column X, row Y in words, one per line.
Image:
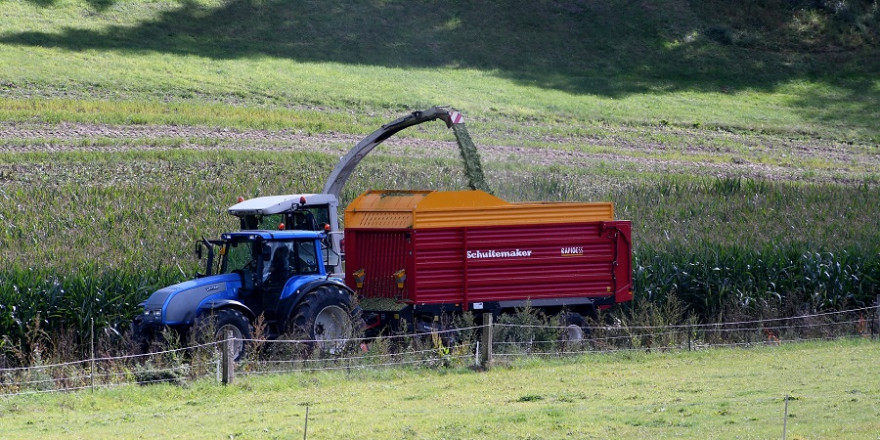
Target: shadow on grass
column 582, row 47
column 100, row 5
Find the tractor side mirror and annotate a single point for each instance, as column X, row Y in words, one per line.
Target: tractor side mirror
column 198, row 250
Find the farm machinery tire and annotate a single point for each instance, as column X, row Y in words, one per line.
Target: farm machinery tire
column 213, row 326
column 326, row 317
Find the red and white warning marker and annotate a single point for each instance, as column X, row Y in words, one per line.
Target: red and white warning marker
column 456, row 117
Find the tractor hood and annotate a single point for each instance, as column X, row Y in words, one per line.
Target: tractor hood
column 178, row 303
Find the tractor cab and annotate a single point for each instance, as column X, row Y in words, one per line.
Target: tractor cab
column 271, row 264
column 301, row 212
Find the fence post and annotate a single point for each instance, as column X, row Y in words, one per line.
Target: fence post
column 875, row 327
column 690, row 344
column 92, row 356
column 228, row 365
column 306, row 427
column 486, row 342
column 477, row 355
column 785, row 418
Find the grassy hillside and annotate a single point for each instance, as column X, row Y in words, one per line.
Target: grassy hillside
column 549, row 63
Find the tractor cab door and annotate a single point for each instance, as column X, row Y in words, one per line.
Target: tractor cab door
column 269, row 278
column 243, row 257
column 288, row 259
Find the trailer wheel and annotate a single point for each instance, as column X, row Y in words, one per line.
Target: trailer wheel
column 213, row 326
column 326, row 317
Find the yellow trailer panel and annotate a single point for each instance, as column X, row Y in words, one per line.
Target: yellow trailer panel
column 442, row 209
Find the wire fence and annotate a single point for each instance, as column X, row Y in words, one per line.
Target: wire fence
column 519, row 335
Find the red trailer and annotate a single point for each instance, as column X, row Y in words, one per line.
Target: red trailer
column 419, row 254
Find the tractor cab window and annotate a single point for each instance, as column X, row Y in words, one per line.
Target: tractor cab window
column 303, row 220
column 289, row 258
column 239, row 255
column 307, row 257
column 312, row 218
column 278, row 267
column 272, row 262
column 331, row 257
column 322, row 214
column 269, row 222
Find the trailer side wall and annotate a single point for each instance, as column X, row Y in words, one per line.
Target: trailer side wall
column 467, row 265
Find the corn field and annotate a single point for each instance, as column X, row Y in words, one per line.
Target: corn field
column 85, row 237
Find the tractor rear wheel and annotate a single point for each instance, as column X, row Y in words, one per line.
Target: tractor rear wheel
column 326, row 317
column 215, row 324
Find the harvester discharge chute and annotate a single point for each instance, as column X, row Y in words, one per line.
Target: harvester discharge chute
column 453, row 120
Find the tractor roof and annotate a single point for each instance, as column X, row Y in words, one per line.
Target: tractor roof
column 277, row 204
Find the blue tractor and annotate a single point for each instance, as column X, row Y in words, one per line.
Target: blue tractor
column 279, row 275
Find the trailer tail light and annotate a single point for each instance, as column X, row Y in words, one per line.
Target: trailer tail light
column 400, row 278
column 359, row 276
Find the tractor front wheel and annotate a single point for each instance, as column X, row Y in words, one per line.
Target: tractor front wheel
column 215, row 324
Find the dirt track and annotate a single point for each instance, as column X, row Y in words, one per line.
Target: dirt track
column 644, row 149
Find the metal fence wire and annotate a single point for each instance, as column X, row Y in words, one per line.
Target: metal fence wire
column 509, row 338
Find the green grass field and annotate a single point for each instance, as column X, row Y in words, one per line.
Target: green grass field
column 718, row 393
